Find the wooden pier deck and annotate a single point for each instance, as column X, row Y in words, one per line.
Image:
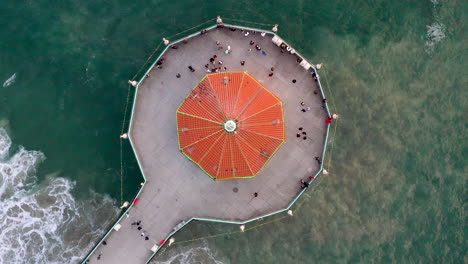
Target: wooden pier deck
column 177, row 189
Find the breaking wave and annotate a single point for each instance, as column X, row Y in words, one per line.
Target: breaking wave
column 436, row 31
column 10, row 80
column 435, row 34
column 42, row 222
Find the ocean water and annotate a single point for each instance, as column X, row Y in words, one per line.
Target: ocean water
column 40, row 221
column 395, row 71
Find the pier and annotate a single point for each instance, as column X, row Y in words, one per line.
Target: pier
column 176, row 191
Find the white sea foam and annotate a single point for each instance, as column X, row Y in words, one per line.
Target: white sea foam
column 10, row 80
column 5, row 144
column 435, row 34
column 192, row 255
column 43, row 223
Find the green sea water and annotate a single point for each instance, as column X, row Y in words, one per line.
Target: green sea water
column 395, row 71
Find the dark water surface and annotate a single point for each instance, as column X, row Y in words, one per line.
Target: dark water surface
column 395, row 71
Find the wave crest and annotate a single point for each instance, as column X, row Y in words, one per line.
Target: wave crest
column 42, row 222
column 10, row 80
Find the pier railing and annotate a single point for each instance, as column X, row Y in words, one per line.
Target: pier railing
column 183, row 224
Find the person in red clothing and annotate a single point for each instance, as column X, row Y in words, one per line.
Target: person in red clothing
column 329, row 120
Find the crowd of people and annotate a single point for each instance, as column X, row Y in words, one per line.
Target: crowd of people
column 216, row 65
column 139, row 228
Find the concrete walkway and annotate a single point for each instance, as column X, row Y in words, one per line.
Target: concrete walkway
column 176, row 188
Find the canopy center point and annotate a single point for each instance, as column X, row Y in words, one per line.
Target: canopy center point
column 230, row 126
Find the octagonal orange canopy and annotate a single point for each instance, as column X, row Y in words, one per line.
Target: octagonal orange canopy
column 230, row 125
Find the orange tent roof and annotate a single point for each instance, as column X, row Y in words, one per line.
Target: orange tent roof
column 230, row 125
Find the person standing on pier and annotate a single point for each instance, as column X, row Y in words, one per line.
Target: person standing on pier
column 319, row 161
